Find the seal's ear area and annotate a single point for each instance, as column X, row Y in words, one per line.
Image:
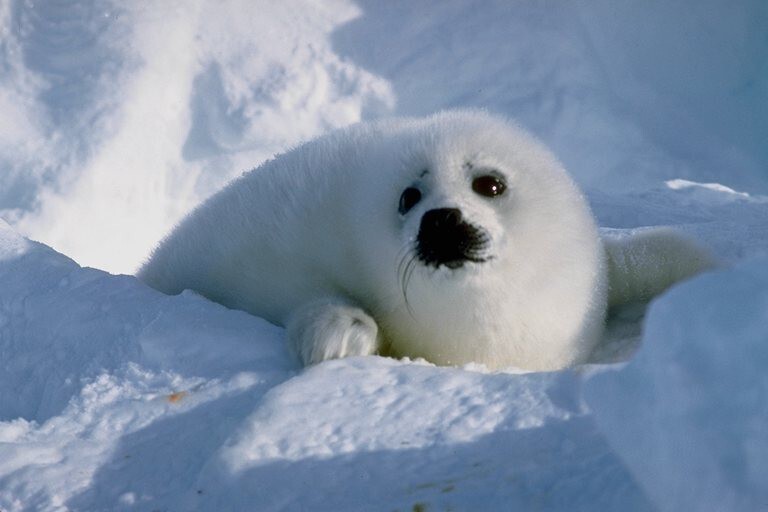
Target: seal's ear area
column 644, row 262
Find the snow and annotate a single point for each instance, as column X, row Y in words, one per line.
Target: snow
column 693, row 399
column 118, row 117
column 142, row 112
column 116, row 397
column 125, row 397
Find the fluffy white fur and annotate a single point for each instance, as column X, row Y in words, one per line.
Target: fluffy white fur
column 644, row 262
column 313, row 240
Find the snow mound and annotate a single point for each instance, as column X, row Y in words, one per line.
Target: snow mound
column 61, row 324
column 94, row 364
column 688, row 414
column 378, row 434
column 116, row 397
column 131, row 114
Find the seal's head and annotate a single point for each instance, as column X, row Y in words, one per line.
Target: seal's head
column 479, row 245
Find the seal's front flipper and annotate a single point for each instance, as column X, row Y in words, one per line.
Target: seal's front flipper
column 330, row 329
column 644, row 262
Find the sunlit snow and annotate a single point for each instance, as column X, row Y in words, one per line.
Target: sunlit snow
column 116, row 118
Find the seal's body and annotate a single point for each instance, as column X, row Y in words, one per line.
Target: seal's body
column 457, row 238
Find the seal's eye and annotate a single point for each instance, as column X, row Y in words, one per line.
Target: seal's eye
column 408, row 199
column 489, row 185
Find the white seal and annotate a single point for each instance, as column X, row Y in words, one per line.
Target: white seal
column 457, row 238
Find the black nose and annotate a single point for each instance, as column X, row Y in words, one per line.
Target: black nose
column 446, row 239
column 441, row 218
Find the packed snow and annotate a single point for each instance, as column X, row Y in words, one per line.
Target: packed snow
column 116, row 118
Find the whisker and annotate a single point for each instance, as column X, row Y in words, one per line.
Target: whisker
column 409, row 268
column 402, row 258
column 405, row 268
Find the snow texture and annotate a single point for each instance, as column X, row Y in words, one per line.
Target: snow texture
column 688, row 414
column 118, row 117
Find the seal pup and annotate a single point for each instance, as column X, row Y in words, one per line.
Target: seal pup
column 456, row 238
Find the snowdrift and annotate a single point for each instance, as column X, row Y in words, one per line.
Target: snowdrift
column 116, row 397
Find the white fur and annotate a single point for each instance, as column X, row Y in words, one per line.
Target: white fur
column 644, row 262
column 313, row 240
column 331, row 328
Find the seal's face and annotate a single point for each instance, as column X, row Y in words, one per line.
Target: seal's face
column 445, row 237
column 452, row 217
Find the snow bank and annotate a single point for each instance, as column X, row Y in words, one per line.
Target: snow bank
column 91, row 363
column 378, row 434
column 731, row 223
column 116, row 397
column 134, row 113
column 61, row 324
column 688, row 414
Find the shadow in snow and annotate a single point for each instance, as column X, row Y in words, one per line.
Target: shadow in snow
column 559, row 466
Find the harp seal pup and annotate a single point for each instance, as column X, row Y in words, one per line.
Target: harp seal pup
column 457, row 238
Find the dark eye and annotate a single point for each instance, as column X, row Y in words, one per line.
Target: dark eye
column 408, row 199
column 489, row 185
